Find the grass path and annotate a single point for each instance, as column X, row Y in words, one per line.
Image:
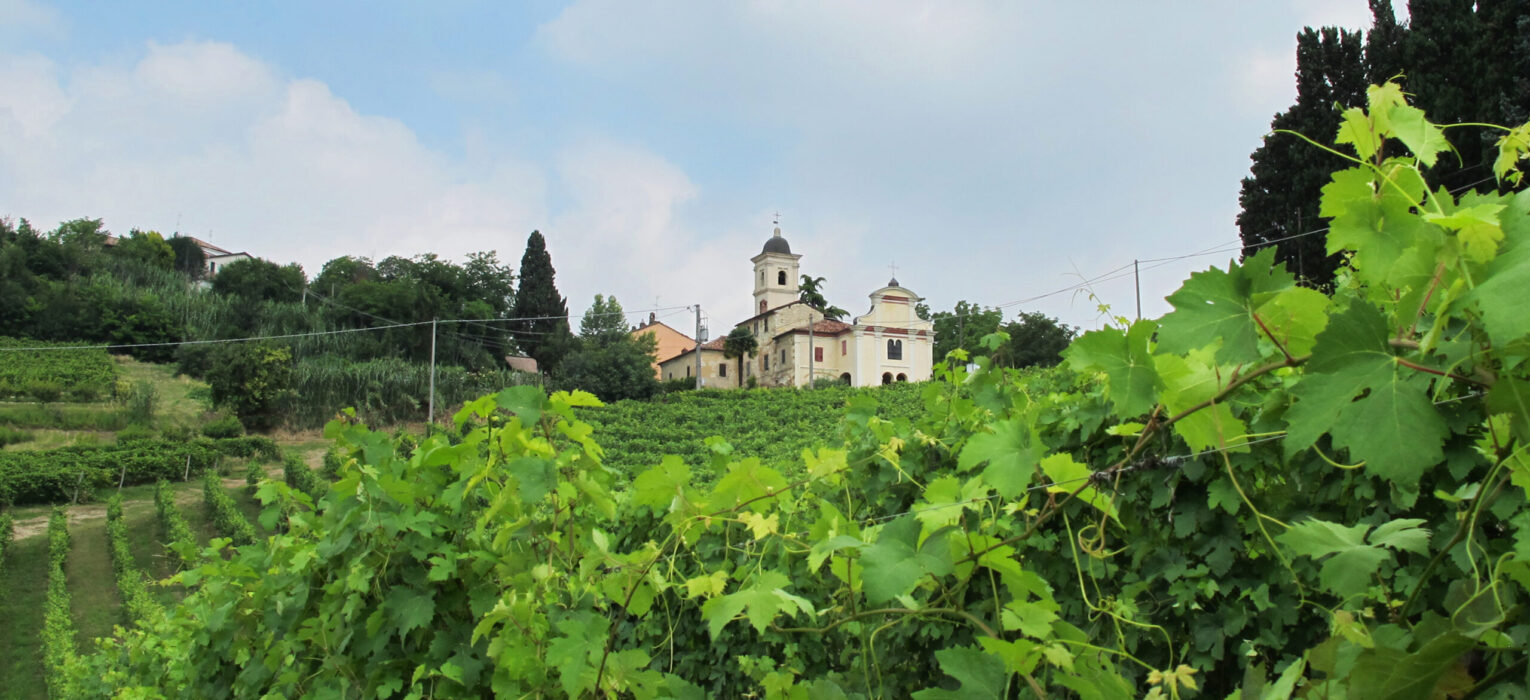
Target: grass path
column 92, row 584
column 21, row 608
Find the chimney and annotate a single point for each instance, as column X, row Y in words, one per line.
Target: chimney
column 651, row 318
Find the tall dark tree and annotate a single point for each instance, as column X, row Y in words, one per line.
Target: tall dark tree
column 543, row 333
column 190, row 259
column 1280, row 199
column 1462, row 61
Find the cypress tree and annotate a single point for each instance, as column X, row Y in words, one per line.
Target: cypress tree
column 544, row 334
column 1280, row 199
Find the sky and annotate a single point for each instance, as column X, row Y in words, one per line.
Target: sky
column 994, row 152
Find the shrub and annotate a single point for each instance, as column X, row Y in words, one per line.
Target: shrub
column 142, row 402
column 252, row 476
column 227, row 426
column 11, row 436
column 331, row 469
column 300, row 477
column 225, row 515
column 44, row 392
column 180, row 543
column 137, row 432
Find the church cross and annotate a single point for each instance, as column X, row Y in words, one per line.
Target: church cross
column 894, row 268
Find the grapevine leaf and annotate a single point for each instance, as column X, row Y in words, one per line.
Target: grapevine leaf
column 525, row 402
column 943, row 503
column 1188, row 381
column 583, row 633
column 822, row 549
column 1346, row 191
column 1435, row 670
column 1124, row 359
column 1067, row 475
column 1031, row 618
column 411, row 609
column 661, row 486
column 1353, row 562
column 1355, row 129
column 1477, row 226
column 895, row 563
column 1011, row 451
column 1019, row 656
column 746, row 482
column 1425, row 140
column 1294, row 317
column 1501, row 293
column 535, row 475
column 980, row 675
column 1356, row 391
column 1512, row 396
column 760, row 602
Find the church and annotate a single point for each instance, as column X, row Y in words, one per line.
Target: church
column 796, row 344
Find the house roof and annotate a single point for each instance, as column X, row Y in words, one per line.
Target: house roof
column 652, row 324
column 714, row 345
column 768, row 312
column 824, row 327
column 210, row 249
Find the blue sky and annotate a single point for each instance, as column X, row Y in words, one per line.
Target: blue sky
column 993, row 151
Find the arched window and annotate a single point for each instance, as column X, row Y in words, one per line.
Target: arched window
column 687, row 370
column 781, row 278
column 887, row 377
column 894, row 349
column 902, row 377
column 845, row 379
column 762, row 306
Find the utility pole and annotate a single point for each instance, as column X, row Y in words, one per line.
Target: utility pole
column 1136, row 278
column 698, row 346
column 812, row 349
column 431, row 417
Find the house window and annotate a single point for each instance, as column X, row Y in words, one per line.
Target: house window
column 766, row 359
column 818, row 354
column 783, row 356
column 894, row 349
column 781, row 278
column 845, row 379
column 887, row 377
column 762, row 306
column 722, row 369
column 844, row 346
column 687, row 370
column 902, row 377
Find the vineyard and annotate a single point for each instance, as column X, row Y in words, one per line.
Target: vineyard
column 1270, row 492
column 50, row 375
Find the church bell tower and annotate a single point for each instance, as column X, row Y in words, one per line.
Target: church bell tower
column 775, row 274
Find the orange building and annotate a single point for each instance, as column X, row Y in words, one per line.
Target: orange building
column 670, row 341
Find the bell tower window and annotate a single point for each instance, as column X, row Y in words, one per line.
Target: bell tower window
column 781, row 278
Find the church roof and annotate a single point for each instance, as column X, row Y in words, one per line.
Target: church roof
column 777, row 244
column 824, row 327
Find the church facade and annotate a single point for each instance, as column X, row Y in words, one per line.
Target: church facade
column 796, row 344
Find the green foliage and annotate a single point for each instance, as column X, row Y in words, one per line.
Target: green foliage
column 254, row 380
column 52, row 476
column 148, row 248
column 59, row 654
column 254, row 280
column 137, row 602
column 79, row 375
column 543, row 334
column 301, row 478
column 383, row 391
column 1189, row 503
column 740, row 344
column 226, row 518
column 226, row 426
column 606, row 359
column 811, row 293
column 11, row 436
column 190, row 259
column 180, row 542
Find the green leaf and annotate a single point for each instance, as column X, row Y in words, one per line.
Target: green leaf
column 1011, row 451
column 1356, row 391
column 896, row 562
column 411, row 609
column 1349, row 571
column 1188, row 381
column 1068, row 475
column 1511, row 395
column 746, row 482
column 525, row 402
column 1124, row 359
column 760, row 602
column 1500, row 293
column 1424, row 139
column 1217, row 306
column 661, row 487
column 1477, row 226
column 536, row 477
column 981, row 676
column 1355, row 129
column 1295, row 317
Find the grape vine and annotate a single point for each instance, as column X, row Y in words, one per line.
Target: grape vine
column 1269, row 491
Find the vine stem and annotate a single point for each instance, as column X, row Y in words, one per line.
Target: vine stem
column 895, row 611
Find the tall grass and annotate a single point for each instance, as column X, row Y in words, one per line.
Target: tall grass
column 385, row 391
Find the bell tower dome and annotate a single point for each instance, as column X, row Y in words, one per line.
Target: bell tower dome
column 775, row 273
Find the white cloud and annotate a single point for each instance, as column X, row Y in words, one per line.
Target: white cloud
column 18, row 16
column 204, row 134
